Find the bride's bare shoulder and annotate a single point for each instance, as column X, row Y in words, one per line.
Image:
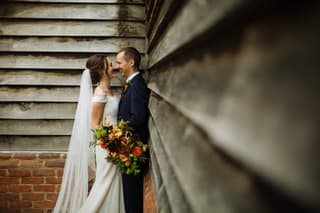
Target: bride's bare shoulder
column 98, row 92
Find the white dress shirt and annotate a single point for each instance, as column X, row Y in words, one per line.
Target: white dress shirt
column 132, row 76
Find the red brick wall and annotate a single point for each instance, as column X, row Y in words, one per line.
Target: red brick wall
column 149, row 203
column 29, row 182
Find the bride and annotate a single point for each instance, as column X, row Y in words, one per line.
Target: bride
column 106, row 193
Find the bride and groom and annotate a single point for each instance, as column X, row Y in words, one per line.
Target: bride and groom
column 112, row 192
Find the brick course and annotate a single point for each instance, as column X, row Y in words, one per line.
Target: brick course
column 29, row 182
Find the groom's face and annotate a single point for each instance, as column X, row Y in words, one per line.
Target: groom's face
column 123, row 65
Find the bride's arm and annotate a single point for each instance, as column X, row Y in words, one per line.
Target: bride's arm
column 97, row 109
column 97, row 113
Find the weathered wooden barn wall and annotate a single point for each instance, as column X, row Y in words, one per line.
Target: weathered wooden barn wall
column 234, row 105
column 43, row 48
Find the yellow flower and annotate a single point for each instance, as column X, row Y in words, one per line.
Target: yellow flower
column 144, row 147
column 122, row 124
column 123, row 157
column 127, row 163
column 118, row 133
column 106, row 122
column 113, row 154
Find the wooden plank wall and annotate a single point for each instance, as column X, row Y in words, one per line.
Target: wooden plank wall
column 43, row 48
column 234, row 123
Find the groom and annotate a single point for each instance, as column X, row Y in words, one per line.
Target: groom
column 133, row 107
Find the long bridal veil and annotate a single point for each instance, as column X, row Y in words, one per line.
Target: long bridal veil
column 80, row 162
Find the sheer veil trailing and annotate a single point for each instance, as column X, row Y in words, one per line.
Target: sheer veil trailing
column 80, row 163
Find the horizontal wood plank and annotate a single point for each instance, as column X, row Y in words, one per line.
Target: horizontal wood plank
column 163, row 204
column 73, row 11
column 200, row 169
column 156, row 28
column 39, row 94
column 45, row 78
column 178, row 32
column 35, row 77
column 43, row 61
column 149, row 8
column 155, row 170
column 35, row 127
column 83, row 1
column 42, row 94
column 37, row 110
column 34, row 143
column 176, row 197
column 49, row 61
column 255, row 102
column 67, row 44
column 71, row 28
column 152, row 15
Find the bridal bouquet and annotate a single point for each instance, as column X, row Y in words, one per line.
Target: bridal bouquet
column 123, row 145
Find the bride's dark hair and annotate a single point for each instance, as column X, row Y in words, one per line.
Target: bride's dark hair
column 96, row 64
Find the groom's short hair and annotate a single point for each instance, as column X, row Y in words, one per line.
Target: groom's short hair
column 132, row 53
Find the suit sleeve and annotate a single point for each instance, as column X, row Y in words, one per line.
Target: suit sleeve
column 139, row 105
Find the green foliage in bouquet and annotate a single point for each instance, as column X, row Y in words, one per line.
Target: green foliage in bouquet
column 124, row 147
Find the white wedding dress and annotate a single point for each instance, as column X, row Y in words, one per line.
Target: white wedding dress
column 106, row 193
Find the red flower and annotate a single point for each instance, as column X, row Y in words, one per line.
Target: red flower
column 137, row 151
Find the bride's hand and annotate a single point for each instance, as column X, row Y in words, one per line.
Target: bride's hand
column 110, row 68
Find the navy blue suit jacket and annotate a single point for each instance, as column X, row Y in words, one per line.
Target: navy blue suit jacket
column 133, row 106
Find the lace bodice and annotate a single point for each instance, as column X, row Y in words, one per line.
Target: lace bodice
column 111, row 107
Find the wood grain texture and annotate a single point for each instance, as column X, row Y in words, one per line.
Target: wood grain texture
column 38, row 77
column 34, row 143
column 68, row 44
column 179, row 32
column 154, row 166
column 47, row 78
column 37, row 110
column 39, row 94
column 72, row 11
column 35, row 127
column 152, row 15
column 256, row 98
column 46, row 61
column 176, row 197
column 83, row 1
column 43, row 61
column 162, row 201
column 168, row 9
column 199, row 168
column 71, row 28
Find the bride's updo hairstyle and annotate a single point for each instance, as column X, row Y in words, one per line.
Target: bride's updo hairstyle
column 96, row 64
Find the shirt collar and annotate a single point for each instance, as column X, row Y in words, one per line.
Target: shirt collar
column 132, row 76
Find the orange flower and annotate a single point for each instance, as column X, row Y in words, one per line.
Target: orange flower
column 100, row 142
column 137, row 151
